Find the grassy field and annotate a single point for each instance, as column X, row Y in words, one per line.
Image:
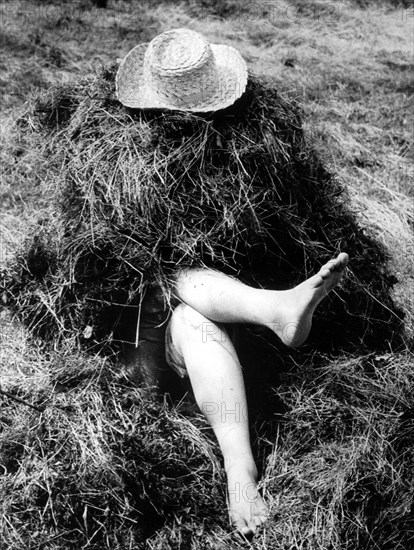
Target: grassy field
column 100, row 463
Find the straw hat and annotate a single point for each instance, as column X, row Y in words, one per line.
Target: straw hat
column 180, row 70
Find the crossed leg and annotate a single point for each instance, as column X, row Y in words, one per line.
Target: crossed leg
column 217, row 381
column 287, row 312
column 212, row 364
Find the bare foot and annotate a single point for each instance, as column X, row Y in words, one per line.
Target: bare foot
column 247, row 509
column 295, row 307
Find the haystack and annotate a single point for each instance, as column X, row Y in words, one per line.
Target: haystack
column 139, row 195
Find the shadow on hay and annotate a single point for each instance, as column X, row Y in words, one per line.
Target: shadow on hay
column 141, row 194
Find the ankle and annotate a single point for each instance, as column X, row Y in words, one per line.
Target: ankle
column 261, row 308
column 241, row 466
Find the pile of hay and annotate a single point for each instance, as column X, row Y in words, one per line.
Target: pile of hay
column 139, row 195
column 105, row 464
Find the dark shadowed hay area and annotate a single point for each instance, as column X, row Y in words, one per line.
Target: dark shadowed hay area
column 138, row 195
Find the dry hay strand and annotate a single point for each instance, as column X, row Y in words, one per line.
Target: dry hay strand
column 142, row 194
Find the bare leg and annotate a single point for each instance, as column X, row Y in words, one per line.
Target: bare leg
column 218, row 385
column 288, row 312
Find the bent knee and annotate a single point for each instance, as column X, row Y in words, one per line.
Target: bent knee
column 186, row 326
column 186, row 317
column 187, row 323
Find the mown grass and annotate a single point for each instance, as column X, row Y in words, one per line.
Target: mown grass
column 110, row 465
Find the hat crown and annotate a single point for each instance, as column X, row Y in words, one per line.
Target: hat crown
column 178, row 50
column 184, row 57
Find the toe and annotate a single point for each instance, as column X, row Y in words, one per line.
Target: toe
column 252, row 526
column 332, row 265
column 343, row 259
column 242, row 526
column 325, row 272
column 259, row 520
column 340, row 261
column 337, row 264
column 246, row 530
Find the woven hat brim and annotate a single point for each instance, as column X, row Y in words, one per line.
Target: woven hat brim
column 133, row 91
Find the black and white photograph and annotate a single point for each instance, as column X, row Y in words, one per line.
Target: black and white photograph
column 207, row 275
